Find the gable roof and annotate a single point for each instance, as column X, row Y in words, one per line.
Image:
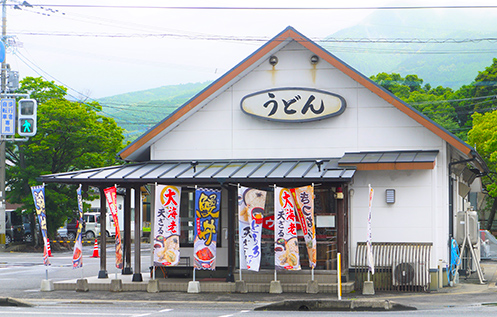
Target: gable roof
column 140, row 148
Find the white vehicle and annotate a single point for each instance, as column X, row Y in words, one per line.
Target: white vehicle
column 92, row 225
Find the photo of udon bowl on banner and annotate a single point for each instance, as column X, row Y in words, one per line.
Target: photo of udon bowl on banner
column 286, row 245
column 167, row 225
column 304, row 203
column 251, row 204
column 207, row 204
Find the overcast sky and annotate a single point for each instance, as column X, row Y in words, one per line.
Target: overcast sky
column 98, row 52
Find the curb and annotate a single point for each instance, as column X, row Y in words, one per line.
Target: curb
column 7, row 301
column 336, row 305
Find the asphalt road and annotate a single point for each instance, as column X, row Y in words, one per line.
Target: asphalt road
column 21, row 275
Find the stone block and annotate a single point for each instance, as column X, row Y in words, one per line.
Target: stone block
column 153, row 286
column 275, row 287
column 82, row 285
column 368, row 288
column 47, row 286
column 194, row 287
column 312, row 287
column 241, row 287
column 116, row 285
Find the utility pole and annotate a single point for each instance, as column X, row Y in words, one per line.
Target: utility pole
column 3, row 141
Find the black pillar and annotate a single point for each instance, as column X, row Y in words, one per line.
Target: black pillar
column 137, row 276
column 103, row 241
column 232, row 212
column 127, row 270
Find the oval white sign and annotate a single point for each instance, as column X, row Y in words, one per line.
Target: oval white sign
column 293, row 104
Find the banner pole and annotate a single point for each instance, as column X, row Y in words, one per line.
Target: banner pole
column 339, row 277
column 275, row 274
column 239, row 244
column 46, row 273
column 194, row 273
column 312, row 270
column 152, row 231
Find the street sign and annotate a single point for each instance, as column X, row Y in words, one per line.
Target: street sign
column 8, row 116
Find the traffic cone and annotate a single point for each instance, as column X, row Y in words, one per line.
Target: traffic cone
column 95, row 250
column 48, row 248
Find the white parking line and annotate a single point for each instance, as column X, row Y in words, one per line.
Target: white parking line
column 231, row 315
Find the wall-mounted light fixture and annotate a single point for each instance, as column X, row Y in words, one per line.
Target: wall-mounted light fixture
column 194, row 165
column 390, row 196
column 273, row 60
column 319, row 163
column 314, row 59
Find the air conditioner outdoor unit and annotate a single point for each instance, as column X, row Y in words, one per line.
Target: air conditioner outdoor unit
column 410, row 273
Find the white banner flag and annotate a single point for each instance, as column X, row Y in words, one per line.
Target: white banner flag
column 369, row 238
column 304, row 203
column 286, row 245
column 167, row 227
column 251, row 203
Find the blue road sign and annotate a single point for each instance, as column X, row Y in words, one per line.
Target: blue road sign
column 8, row 116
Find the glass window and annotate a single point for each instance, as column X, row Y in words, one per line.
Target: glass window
column 324, row 205
column 187, row 217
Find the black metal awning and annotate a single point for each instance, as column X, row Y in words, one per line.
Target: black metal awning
column 388, row 157
column 210, row 172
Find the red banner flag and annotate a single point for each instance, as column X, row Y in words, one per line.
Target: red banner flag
column 111, row 196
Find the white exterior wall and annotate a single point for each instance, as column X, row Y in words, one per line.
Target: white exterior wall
column 220, row 130
column 419, row 214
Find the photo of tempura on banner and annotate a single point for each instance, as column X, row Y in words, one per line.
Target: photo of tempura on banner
column 167, row 225
column 286, row 245
column 111, row 196
column 207, row 207
column 304, row 203
column 251, row 204
column 39, row 200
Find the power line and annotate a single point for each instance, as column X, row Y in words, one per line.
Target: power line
column 243, row 8
column 265, row 39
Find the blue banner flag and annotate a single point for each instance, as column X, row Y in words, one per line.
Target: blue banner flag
column 207, row 208
column 39, row 200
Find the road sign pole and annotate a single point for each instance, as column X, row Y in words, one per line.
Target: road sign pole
column 3, row 141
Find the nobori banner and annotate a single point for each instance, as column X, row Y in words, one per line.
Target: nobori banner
column 293, row 104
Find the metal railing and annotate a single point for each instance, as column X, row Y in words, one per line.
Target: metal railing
column 398, row 266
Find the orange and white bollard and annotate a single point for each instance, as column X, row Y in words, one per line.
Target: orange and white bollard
column 95, row 250
column 49, row 251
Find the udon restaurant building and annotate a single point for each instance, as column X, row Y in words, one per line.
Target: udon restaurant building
column 293, row 115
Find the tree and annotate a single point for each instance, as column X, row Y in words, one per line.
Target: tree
column 71, row 136
column 430, row 102
column 483, row 136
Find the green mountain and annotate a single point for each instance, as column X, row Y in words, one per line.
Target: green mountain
column 138, row 111
column 440, row 46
